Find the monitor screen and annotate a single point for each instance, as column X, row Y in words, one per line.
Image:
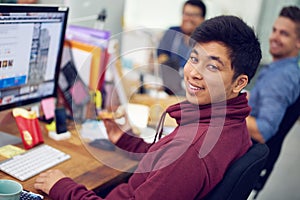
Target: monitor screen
column 31, row 43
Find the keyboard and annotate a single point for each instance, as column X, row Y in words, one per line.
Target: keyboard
column 33, row 161
column 27, row 195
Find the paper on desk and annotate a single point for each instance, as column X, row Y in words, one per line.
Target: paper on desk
column 48, row 106
column 93, row 129
column 9, row 151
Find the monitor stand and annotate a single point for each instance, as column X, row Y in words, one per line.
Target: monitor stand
column 8, row 139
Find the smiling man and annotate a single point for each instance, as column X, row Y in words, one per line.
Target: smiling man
column 211, row 132
column 278, row 84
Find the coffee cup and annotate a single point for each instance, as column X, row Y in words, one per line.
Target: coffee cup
column 138, row 115
column 10, row 190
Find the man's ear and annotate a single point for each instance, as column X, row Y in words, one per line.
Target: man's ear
column 240, row 83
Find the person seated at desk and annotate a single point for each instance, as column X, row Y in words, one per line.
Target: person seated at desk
column 278, row 84
column 173, row 49
column 211, row 132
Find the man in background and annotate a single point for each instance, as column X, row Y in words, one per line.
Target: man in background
column 278, row 84
column 173, row 50
column 174, row 43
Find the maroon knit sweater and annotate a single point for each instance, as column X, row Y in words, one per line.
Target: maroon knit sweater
column 185, row 164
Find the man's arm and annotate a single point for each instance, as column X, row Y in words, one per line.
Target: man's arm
column 253, row 129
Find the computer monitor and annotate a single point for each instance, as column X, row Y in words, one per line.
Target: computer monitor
column 31, row 40
column 31, row 44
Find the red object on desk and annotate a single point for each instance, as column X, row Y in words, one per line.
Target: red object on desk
column 29, row 127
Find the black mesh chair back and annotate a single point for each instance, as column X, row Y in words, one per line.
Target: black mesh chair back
column 241, row 176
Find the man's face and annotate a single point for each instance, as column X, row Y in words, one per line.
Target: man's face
column 208, row 75
column 191, row 18
column 283, row 40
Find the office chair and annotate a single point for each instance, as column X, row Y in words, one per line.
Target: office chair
column 241, row 176
column 275, row 143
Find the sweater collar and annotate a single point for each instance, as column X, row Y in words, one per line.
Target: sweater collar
column 235, row 109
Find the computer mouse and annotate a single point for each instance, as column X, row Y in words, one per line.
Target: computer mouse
column 104, row 144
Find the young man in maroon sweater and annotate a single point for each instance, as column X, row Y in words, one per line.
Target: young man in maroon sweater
column 211, row 132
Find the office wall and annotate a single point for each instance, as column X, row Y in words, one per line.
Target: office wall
column 162, row 14
column 50, row 1
column 84, row 13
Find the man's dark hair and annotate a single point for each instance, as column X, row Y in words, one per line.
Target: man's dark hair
column 242, row 44
column 293, row 13
column 197, row 3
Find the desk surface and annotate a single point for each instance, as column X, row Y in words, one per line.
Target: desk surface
column 88, row 166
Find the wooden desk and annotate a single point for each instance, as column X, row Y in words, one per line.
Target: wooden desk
column 88, row 166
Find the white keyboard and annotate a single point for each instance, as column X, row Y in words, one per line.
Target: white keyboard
column 33, row 161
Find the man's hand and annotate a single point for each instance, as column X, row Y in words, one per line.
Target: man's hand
column 46, row 180
column 116, row 123
column 253, row 129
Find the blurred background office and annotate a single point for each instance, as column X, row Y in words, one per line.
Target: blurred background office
column 161, row 14
column 138, row 26
column 142, row 22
